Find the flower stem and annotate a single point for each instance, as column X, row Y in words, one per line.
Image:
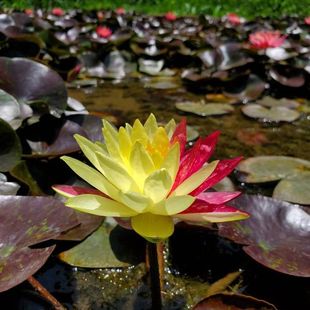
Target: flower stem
column 155, row 267
column 45, row 293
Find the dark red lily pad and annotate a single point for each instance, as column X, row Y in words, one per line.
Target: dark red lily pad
column 287, row 75
column 10, row 151
column 33, row 83
column 276, row 235
column 233, row 302
column 24, row 222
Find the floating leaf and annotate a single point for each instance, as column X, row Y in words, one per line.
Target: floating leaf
column 270, row 102
column 31, row 82
column 10, row 151
column 204, row 109
column 294, row 188
column 262, row 169
column 9, row 109
column 26, row 221
column 245, row 88
column 287, row 75
column 276, row 235
column 7, row 188
column 87, row 224
column 110, row 247
column 274, row 114
column 233, row 302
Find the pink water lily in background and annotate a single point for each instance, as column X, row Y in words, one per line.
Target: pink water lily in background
column 233, row 18
column 120, row 11
column 28, row 11
column 265, row 39
column 103, row 32
column 145, row 175
column 58, row 11
column 307, row 20
column 170, row 16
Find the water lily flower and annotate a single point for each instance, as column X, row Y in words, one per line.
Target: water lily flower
column 120, row 11
column 58, row 11
column 29, row 11
column 103, row 32
column 170, row 16
column 233, row 18
column 265, row 39
column 144, row 173
column 307, row 20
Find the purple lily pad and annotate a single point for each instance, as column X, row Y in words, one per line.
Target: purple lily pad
column 287, row 75
column 233, row 302
column 276, row 235
column 246, row 88
column 26, row 221
column 31, row 82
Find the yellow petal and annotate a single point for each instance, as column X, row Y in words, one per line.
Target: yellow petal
column 112, row 144
column 125, row 144
column 89, row 148
column 91, row 176
column 99, row 205
column 138, row 133
column 116, row 174
column 141, row 163
column 212, row 217
column 151, row 125
column 161, row 141
column 135, row 201
column 158, row 185
column 195, row 179
column 170, row 128
column 172, row 205
column 153, row 226
column 172, row 161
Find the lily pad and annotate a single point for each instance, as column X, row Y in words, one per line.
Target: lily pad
column 26, row 221
column 33, row 83
column 262, row 169
column 110, row 247
column 274, row 114
column 204, row 109
column 7, row 188
column 87, row 224
column 245, row 88
column 283, row 243
column 10, row 152
column 270, row 102
column 233, row 302
column 294, row 189
column 9, row 109
column 287, row 75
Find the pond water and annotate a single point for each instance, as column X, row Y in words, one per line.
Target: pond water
column 195, row 257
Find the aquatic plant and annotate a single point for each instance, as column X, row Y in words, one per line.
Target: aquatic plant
column 144, row 172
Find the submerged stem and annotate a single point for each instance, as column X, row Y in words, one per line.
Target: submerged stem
column 155, row 266
column 45, row 293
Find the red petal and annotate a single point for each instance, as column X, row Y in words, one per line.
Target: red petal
column 76, row 190
column 200, row 206
column 194, row 159
column 217, row 198
column 179, row 135
column 223, row 168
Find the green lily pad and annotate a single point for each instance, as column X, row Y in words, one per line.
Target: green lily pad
column 109, row 246
column 274, row 114
column 204, row 109
column 191, row 133
column 10, row 151
column 276, row 234
column 270, row 102
column 294, row 188
column 262, row 169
